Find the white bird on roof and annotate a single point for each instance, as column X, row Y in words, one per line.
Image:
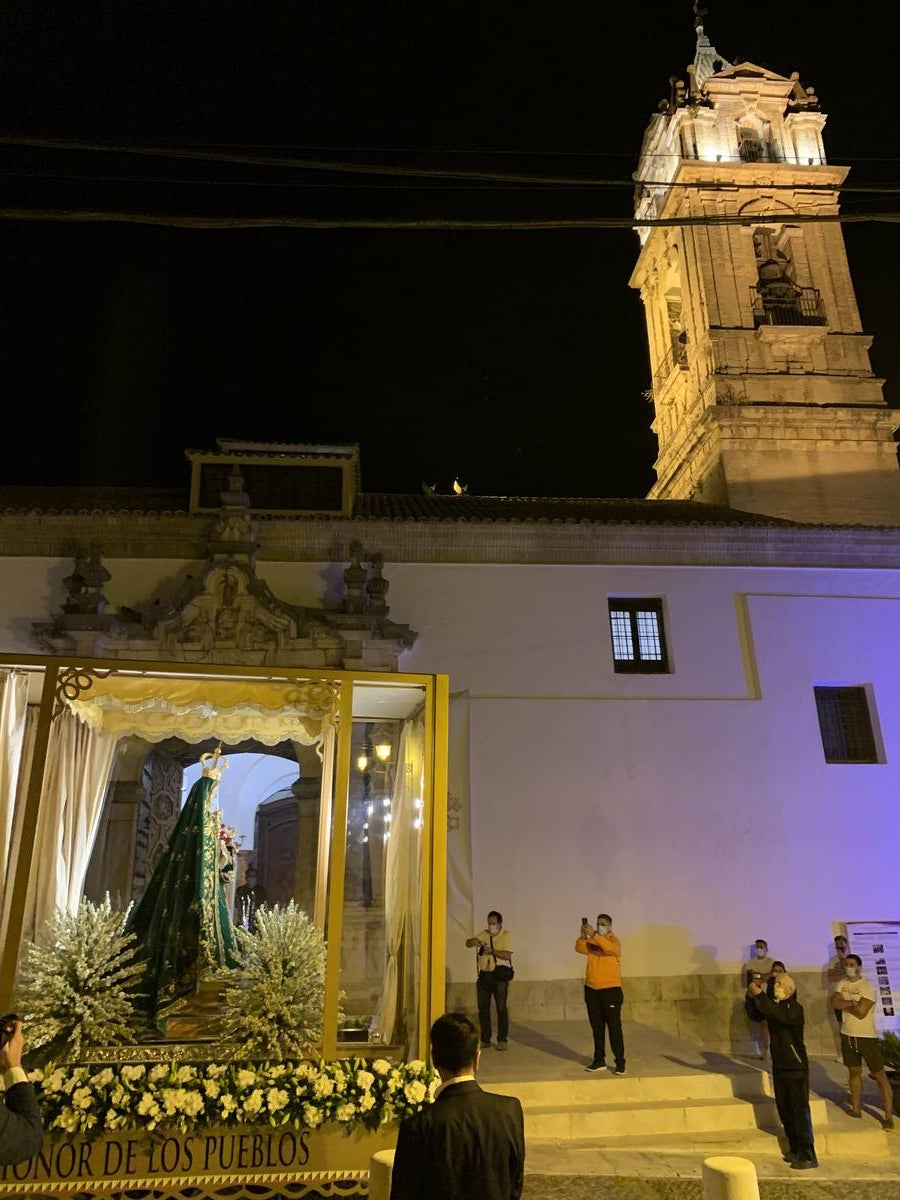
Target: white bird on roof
column 460, row 489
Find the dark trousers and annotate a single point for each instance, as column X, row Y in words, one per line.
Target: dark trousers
column 792, row 1101
column 486, row 987
column 604, row 1009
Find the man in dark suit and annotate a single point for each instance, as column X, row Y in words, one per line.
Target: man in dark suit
column 469, row 1144
column 21, row 1132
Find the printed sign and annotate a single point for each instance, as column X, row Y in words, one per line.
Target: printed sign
column 878, row 945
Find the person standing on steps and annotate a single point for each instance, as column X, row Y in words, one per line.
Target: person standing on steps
column 777, row 1005
column 758, row 969
column 603, row 994
column 854, row 997
column 495, row 972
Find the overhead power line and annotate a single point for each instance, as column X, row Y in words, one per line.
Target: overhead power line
column 343, row 167
column 188, row 221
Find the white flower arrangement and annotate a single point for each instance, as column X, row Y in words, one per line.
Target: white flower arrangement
column 348, row 1093
column 277, row 996
column 78, row 981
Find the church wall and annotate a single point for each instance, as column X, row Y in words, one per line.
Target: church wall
column 696, row 806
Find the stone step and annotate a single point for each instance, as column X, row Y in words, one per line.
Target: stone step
column 663, row 1152
column 655, row 1117
column 605, row 1088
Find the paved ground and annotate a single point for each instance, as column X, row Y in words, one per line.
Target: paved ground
column 670, row 1170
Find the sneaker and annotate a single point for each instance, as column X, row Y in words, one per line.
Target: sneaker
column 619, row 1071
column 596, row 1066
column 502, row 1046
column 803, row 1164
column 887, row 1123
column 854, row 1112
column 485, row 1045
column 790, row 1157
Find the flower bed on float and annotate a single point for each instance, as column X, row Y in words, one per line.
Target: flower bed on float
column 347, row 1093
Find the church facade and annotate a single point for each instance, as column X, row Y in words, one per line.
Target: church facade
column 683, row 710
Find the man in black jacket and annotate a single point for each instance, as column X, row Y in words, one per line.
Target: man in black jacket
column 469, row 1144
column 21, row 1132
column 776, row 1003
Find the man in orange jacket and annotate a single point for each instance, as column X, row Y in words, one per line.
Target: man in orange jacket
column 603, row 991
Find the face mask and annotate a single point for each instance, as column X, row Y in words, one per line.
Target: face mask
column 851, row 972
column 760, row 953
column 602, row 929
column 493, row 928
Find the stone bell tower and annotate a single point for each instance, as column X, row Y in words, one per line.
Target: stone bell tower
column 763, row 391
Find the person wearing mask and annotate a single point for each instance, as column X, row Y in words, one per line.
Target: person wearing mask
column 758, row 968
column 603, row 994
column 21, row 1132
column 776, row 1004
column 495, row 972
column 834, row 973
column 469, row 1144
column 854, row 998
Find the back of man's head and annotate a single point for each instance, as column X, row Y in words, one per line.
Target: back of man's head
column 454, row 1043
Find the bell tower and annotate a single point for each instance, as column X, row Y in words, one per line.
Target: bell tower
column 763, row 393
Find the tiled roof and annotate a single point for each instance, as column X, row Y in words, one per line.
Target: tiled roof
column 15, row 498
column 390, row 506
column 387, row 506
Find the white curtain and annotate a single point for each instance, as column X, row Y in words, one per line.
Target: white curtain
column 76, row 776
column 402, row 891
column 460, row 901
column 13, row 707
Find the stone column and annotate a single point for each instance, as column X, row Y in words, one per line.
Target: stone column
column 112, row 862
column 307, row 792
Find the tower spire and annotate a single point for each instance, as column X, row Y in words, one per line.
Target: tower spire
column 707, row 60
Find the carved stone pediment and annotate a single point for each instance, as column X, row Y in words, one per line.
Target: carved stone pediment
column 227, row 614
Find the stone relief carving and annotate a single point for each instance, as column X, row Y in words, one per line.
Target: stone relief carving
column 227, row 614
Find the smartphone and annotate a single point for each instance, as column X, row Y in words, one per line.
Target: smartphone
column 584, row 920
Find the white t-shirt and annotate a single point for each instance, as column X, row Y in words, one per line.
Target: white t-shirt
column 857, row 1027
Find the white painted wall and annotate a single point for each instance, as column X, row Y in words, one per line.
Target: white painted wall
column 699, row 816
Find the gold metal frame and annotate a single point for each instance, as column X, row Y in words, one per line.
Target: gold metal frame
column 332, row 854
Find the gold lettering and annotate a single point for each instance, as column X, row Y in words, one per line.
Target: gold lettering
column 110, row 1166
column 243, row 1150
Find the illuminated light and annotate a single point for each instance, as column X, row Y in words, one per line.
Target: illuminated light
column 362, row 762
column 370, row 809
column 387, row 818
column 386, row 802
column 383, row 751
column 365, row 824
column 365, row 839
column 419, row 803
column 417, row 823
column 387, row 834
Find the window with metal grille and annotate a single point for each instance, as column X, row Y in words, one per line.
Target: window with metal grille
column 845, row 722
column 638, row 637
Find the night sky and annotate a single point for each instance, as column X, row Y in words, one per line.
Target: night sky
column 515, row 360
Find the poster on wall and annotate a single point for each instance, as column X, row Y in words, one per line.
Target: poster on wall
column 878, row 945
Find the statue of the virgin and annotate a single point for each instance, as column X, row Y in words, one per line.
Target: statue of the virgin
column 182, row 923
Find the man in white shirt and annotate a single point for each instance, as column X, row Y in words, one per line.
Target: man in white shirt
column 854, row 998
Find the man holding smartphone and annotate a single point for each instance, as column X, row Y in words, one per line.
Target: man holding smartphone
column 21, row 1132
column 603, row 994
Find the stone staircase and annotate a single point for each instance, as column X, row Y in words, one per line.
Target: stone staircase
column 605, row 1109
